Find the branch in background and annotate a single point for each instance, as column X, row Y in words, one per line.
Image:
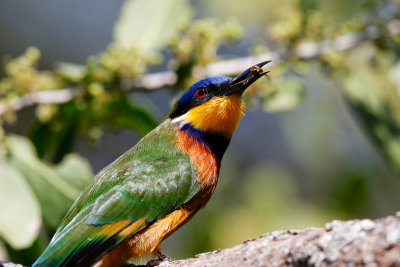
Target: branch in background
column 155, row 81
column 352, row 243
column 9, row 264
column 41, row 97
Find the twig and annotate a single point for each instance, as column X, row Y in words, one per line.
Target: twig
column 41, row 97
column 156, row 81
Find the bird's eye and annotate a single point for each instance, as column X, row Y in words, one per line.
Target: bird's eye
column 201, row 92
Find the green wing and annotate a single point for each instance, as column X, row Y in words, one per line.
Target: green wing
column 146, row 183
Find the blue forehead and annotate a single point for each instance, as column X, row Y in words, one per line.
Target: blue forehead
column 212, row 82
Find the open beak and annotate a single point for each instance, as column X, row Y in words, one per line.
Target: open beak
column 245, row 79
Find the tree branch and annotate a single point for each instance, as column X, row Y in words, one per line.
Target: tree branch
column 41, row 97
column 351, row 243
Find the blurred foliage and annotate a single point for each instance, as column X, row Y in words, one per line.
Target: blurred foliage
column 364, row 73
column 197, row 44
column 100, row 100
column 141, row 24
column 40, row 176
column 32, row 191
column 20, row 220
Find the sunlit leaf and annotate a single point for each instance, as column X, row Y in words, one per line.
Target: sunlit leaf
column 284, row 95
column 72, row 71
column 394, row 75
column 376, row 102
column 75, row 170
column 363, row 88
column 20, row 218
column 54, row 193
column 150, row 23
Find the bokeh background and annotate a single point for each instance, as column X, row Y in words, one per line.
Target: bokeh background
column 320, row 140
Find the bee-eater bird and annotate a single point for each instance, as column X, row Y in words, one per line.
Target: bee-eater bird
column 158, row 185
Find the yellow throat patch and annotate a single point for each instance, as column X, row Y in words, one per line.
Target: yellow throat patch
column 219, row 114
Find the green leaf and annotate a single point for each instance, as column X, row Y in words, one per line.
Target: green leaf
column 72, row 71
column 75, row 170
column 363, row 88
column 20, row 218
column 394, row 75
column 54, row 193
column 129, row 113
column 376, row 101
column 284, row 95
column 150, row 24
column 56, row 138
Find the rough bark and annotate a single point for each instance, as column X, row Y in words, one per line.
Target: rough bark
column 352, row 243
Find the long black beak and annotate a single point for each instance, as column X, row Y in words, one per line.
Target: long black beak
column 245, row 79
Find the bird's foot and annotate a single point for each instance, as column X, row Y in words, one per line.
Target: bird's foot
column 161, row 257
column 164, row 257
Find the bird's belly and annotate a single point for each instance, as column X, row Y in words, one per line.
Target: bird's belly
column 149, row 239
column 143, row 246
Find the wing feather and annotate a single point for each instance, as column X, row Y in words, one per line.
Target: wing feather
column 146, row 183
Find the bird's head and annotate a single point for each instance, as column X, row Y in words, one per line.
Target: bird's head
column 214, row 104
